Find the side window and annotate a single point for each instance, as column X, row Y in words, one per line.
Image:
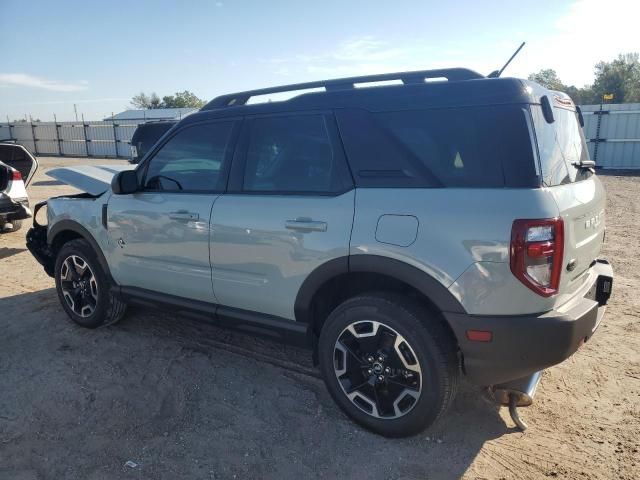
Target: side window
column 191, row 160
column 292, row 154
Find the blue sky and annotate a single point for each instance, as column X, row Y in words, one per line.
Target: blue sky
column 99, row 54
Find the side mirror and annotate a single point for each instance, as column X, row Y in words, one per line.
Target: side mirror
column 125, row 182
column 4, row 177
column 547, row 109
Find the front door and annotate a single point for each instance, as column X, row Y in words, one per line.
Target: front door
column 161, row 233
column 289, row 209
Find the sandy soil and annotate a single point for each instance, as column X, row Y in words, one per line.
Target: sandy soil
column 183, row 399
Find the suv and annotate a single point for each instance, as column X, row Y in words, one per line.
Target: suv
column 410, row 234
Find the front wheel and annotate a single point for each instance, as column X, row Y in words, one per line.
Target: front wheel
column 389, row 363
column 83, row 287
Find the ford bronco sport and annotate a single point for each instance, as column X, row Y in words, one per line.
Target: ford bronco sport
column 410, row 233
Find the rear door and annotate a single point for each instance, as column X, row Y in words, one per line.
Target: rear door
column 578, row 192
column 288, row 210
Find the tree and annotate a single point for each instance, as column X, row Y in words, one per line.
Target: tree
column 548, row 78
column 179, row 100
column 620, row 77
column 183, row 100
column 144, row 101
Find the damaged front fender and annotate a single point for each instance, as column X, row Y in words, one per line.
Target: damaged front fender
column 37, row 243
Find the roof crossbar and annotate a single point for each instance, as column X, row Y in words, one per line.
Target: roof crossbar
column 241, row 98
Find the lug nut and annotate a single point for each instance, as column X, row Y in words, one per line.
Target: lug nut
column 387, row 370
column 380, row 378
column 381, row 359
column 369, row 371
column 370, row 359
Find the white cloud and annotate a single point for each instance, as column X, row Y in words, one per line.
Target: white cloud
column 26, row 80
column 589, row 31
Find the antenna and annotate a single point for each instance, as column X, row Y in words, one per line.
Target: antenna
column 497, row 73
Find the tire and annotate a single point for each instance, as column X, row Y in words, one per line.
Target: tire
column 83, row 287
column 426, row 376
column 15, row 226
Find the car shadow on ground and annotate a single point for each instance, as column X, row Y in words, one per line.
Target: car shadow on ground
column 179, row 395
column 6, row 252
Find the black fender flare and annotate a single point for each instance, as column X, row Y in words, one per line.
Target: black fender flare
column 431, row 288
column 73, row 226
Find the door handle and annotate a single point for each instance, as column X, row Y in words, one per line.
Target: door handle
column 184, row 215
column 306, row 225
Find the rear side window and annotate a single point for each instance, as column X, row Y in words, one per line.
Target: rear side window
column 292, row 154
column 474, row 147
column 560, row 145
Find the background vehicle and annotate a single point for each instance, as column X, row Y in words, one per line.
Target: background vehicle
column 145, row 136
column 410, row 233
column 17, row 167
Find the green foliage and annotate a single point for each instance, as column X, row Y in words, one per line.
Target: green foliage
column 620, row 77
column 184, row 99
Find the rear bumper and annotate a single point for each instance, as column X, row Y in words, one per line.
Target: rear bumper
column 524, row 344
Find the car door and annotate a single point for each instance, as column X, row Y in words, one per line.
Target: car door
column 161, row 233
column 288, row 209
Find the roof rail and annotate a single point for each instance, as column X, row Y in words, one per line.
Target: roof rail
column 241, row 98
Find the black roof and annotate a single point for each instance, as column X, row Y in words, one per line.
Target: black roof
column 462, row 87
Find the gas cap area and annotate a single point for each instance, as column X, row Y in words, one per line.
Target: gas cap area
column 400, row 230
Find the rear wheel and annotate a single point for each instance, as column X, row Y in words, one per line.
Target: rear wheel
column 83, row 287
column 389, row 363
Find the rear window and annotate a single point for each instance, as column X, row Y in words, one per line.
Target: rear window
column 474, row 147
column 560, row 145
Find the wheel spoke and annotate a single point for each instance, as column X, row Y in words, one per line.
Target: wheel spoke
column 372, row 361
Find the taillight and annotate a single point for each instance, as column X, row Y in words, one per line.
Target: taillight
column 15, row 175
column 536, row 254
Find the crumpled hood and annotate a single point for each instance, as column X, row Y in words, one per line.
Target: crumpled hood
column 93, row 179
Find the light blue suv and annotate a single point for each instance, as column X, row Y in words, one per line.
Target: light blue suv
column 409, row 234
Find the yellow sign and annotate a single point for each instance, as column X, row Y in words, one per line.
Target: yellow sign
column 607, row 96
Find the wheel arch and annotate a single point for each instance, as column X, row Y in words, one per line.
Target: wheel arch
column 338, row 279
column 67, row 230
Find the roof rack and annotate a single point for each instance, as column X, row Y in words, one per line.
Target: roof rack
column 241, row 98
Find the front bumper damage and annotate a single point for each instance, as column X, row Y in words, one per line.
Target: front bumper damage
column 38, row 245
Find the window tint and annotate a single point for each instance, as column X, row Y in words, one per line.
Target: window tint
column 191, row 160
column 560, row 144
column 291, row 154
column 477, row 147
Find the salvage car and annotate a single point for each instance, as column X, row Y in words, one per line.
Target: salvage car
column 17, row 168
column 411, row 234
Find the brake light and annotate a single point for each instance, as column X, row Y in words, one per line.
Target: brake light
column 15, row 175
column 537, row 252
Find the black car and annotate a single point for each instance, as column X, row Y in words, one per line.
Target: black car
column 145, row 136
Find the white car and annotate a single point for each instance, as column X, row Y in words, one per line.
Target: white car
column 17, row 168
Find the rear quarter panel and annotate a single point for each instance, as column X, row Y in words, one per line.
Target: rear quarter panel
column 462, row 240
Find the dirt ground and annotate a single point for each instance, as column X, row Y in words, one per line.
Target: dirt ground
column 183, row 399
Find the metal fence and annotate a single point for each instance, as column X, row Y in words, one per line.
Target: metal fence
column 613, row 134
column 73, row 139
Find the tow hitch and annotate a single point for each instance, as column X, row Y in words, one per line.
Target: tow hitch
column 517, row 393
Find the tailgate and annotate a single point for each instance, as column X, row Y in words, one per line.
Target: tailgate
column 581, row 206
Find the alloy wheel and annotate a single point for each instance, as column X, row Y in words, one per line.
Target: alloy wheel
column 79, row 286
column 377, row 369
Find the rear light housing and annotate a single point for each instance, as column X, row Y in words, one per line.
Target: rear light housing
column 15, row 175
column 536, row 254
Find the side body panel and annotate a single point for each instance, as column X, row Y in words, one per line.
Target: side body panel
column 259, row 263
column 161, row 242
column 462, row 241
